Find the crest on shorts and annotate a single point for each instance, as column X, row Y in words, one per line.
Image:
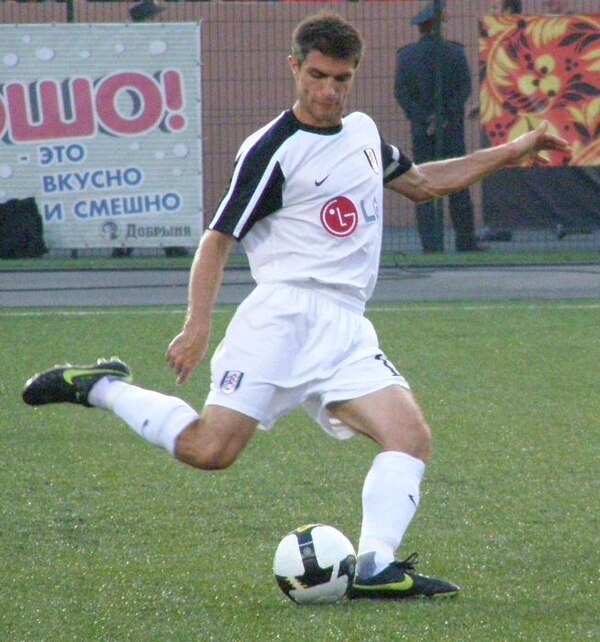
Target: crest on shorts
column 372, row 158
column 231, row 381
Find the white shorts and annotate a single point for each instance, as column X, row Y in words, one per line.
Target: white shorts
column 289, row 346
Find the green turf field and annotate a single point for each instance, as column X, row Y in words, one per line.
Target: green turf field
column 105, row 538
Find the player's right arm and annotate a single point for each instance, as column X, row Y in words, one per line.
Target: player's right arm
column 189, row 347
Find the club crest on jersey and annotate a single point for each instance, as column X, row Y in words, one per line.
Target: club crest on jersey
column 231, row 381
column 339, row 216
column 372, row 158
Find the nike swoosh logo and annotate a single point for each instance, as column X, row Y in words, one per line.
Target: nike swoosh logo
column 405, row 585
column 317, row 183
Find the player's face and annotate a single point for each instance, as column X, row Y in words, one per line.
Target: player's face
column 322, row 86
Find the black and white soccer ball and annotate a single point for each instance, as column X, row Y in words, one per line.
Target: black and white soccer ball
column 315, row 564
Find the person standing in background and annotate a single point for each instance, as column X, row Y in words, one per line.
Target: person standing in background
column 414, row 90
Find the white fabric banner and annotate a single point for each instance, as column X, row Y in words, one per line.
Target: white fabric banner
column 100, row 123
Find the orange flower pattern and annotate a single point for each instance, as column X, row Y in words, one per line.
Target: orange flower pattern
column 535, row 68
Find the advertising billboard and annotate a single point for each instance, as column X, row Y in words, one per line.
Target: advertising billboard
column 101, row 124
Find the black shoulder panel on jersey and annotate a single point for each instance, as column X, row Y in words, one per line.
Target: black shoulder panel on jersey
column 256, row 187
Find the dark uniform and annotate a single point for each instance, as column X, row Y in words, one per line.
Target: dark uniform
column 414, row 90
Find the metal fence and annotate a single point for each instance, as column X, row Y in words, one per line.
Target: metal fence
column 246, row 82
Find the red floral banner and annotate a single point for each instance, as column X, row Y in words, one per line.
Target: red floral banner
column 542, row 68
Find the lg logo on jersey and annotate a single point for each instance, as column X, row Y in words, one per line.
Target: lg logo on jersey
column 339, row 216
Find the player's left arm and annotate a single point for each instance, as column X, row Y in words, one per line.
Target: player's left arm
column 440, row 178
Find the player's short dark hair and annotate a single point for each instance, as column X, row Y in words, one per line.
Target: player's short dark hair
column 329, row 33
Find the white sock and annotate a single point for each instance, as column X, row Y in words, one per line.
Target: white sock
column 156, row 417
column 390, row 499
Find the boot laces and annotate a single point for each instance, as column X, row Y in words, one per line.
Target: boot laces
column 409, row 563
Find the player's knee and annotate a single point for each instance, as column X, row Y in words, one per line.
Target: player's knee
column 200, row 447
column 216, row 459
column 205, row 458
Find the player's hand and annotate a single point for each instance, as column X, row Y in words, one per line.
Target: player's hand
column 529, row 148
column 186, row 351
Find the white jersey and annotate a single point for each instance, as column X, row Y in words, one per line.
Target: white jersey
column 307, row 203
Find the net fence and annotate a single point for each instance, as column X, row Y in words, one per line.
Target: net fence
column 246, row 82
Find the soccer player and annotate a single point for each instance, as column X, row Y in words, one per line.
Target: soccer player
column 305, row 199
